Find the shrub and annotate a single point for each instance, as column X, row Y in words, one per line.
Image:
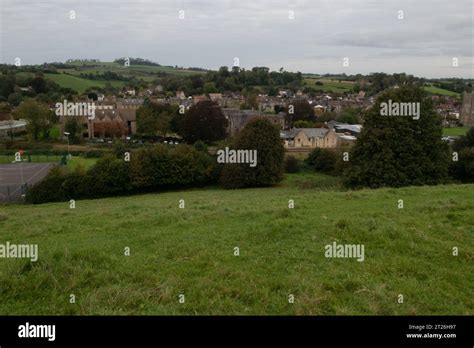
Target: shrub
column 109, row 176
column 463, row 168
column 322, row 160
column 261, row 135
column 165, row 167
column 158, row 167
column 292, row 164
column 50, row 189
column 200, row 146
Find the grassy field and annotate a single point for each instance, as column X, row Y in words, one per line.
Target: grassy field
column 331, row 85
column 455, row 131
column 190, row 251
column 70, row 78
column 79, row 84
column 441, row 91
column 76, row 161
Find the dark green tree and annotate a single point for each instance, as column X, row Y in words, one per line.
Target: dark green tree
column 73, row 127
column 463, row 168
column 399, row 150
column 299, row 110
column 204, row 121
column 260, row 135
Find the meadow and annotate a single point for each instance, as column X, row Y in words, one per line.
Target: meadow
column 191, row 251
column 455, row 131
column 330, row 86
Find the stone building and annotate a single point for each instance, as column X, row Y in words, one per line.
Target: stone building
column 114, row 114
column 238, row 119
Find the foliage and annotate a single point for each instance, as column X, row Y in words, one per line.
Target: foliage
column 260, row 135
column 399, row 150
column 40, row 118
column 204, row 121
column 322, row 160
column 299, row 110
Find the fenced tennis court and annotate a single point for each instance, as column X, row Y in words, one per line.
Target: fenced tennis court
column 15, row 178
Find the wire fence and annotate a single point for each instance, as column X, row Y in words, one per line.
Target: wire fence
column 33, row 158
column 13, row 193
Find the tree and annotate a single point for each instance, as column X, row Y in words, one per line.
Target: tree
column 39, row 85
column 210, row 87
column 73, row 127
column 399, row 150
column 15, row 99
column 7, row 84
column 204, row 121
column 299, row 110
column 350, row 116
column 154, row 119
column 39, row 118
column 463, row 168
column 260, row 135
column 303, row 124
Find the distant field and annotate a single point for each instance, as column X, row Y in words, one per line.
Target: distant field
column 132, row 69
column 440, row 91
column 455, row 131
column 190, row 251
column 79, row 84
column 331, row 85
column 70, row 78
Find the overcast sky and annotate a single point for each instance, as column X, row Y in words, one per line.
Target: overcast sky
column 259, row 32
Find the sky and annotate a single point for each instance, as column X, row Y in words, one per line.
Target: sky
column 426, row 38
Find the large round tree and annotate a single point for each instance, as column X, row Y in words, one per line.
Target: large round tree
column 299, row 110
column 260, row 135
column 399, row 150
column 204, row 121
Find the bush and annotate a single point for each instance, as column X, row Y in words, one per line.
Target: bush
column 165, row 167
column 50, row 189
column 261, row 135
column 463, row 168
column 158, row 167
column 322, row 160
column 200, row 146
column 109, row 176
column 292, row 164
column 77, row 185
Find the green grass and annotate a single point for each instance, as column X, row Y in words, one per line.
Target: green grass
column 441, row 91
column 330, row 85
column 407, row 251
column 455, row 131
column 76, row 161
column 79, row 84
